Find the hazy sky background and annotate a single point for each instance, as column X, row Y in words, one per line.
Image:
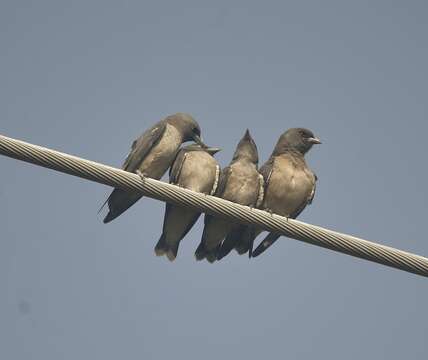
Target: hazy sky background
column 87, row 77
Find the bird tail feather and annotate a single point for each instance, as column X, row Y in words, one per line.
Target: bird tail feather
column 118, row 202
column 161, row 247
column 229, row 242
column 201, row 252
column 172, row 253
column 265, row 244
column 241, row 239
column 245, row 241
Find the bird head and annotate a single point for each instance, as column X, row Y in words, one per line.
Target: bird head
column 297, row 139
column 247, row 149
column 188, row 127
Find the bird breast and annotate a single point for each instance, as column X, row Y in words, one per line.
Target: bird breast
column 242, row 185
column 199, row 172
column 290, row 186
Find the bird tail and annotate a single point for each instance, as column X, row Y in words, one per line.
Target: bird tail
column 265, row 244
column 163, row 248
column 246, row 241
column 118, row 202
column 201, row 252
column 241, row 239
column 211, row 256
column 232, row 238
column 172, row 252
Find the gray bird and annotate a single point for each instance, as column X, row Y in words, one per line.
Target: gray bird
column 289, row 183
column 240, row 182
column 195, row 169
column 152, row 154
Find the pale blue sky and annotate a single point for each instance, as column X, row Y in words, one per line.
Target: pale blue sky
column 87, row 77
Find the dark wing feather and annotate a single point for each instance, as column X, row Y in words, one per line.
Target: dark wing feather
column 240, row 238
column 224, row 177
column 177, row 165
column 267, row 242
column 230, row 241
column 142, row 146
column 311, row 198
column 307, row 202
column 266, row 171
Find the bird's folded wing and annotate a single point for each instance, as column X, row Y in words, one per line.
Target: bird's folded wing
column 142, row 146
column 177, row 165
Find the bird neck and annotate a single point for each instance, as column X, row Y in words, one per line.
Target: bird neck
column 289, row 150
column 244, row 158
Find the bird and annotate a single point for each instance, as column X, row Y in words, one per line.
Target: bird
column 195, row 169
column 151, row 155
column 241, row 183
column 289, row 183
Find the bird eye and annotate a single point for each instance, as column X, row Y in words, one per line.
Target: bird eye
column 196, row 131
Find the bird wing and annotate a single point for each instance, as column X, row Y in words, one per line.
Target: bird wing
column 266, row 171
column 260, row 191
column 265, row 244
column 308, row 200
column 216, row 180
column 142, row 146
column 222, row 182
column 177, row 165
column 311, row 197
column 240, row 238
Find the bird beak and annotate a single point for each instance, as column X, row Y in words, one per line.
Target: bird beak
column 212, row 150
column 314, row 140
column 199, row 141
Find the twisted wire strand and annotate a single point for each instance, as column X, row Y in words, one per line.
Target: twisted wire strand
column 295, row 229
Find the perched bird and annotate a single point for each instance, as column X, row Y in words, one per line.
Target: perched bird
column 195, row 169
column 289, row 183
column 240, row 182
column 152, row 154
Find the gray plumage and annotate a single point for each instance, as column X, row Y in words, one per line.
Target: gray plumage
column 240, row 182
column 152, row 154
column 195, row 169
column 289, row 183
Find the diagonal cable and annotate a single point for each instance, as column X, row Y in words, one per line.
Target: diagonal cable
column 295, row 229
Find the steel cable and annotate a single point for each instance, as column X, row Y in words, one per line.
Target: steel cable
column 295, row 229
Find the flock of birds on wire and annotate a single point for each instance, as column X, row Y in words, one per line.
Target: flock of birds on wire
column 284, row 185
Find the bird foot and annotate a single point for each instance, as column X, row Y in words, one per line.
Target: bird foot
column 269, row 211
column 141, row 175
